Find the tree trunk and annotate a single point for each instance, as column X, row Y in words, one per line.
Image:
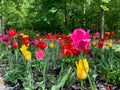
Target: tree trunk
column 102, row 23
column 84, row 11
column 65, row 7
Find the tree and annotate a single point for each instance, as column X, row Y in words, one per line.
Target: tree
column 103, row 9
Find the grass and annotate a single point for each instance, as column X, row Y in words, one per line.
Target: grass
column 116, row 47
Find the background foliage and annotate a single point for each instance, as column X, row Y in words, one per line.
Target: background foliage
column 59, row 15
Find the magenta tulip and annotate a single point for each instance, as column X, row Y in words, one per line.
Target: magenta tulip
column 81, row 39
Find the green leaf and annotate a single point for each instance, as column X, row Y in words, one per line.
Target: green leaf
column 53, row 10
column 1, row 55
column 105, row 8
column 89, row 1
column 105, row 1
column 41, row 85
column 62, row 79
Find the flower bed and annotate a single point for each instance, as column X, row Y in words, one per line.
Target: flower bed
column 56, row 61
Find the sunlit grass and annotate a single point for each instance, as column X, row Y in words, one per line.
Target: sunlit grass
column 116, row 47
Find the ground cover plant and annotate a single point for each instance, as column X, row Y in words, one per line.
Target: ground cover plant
column 60, row 61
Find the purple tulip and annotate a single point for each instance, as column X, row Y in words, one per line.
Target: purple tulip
column 5, row 38
column 91, row 55
column 34, row 42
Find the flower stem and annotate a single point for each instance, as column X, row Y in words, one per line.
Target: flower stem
column 81, row 85
column 30, row 73
column 90, row 81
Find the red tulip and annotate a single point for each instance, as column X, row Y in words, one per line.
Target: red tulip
column 102, row 39
column 112, row 33
column 66, row 50
column 106, row 37
column 12, row 33
column 25, row 42
column 41, row 45
column 59, row 41
column 26, row 39
column 75, row 52
column 37, row 37
column 100, row 44
column 15, row 45
column 107, row 33
column 56, row 36
column 116, row 39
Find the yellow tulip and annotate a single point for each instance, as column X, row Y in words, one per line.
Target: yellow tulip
column 110, row 44
column 51, row 45
column 94, row 43
column 23, row 48
column 21, row 34
column 107, row 33
column 106, row 43
column 82, row 68
column 111, row 41
column 59, row 38
column 40, row 39
column 25, row 36
column 27, row 55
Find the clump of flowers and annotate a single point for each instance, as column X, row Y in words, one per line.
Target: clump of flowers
column 81, row 41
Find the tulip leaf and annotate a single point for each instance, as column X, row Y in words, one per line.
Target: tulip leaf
column 1, row 56
column 62, row 79
column 41, row 85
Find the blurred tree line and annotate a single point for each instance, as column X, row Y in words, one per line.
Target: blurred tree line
column 61, row 15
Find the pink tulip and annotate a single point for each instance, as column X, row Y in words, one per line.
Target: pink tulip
column 81, row 39
column 97, row 34
column 39, row 54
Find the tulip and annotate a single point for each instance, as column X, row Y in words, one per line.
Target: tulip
column 100, row 44
column 97, row 34
column 82, row 68
column 66, row 50
column 5, row 38
column 15, row 45
column 81, row 39
column 37, row 37
column 94, row 43
column 51, row 45
column 27, row 55
column 34, row 42
column 39, row 54
column 110, row 44
column 75, row 52
column 112, row 33
column 91, row 55
column 41, row 45
column 23, row 48
column 12, row 33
